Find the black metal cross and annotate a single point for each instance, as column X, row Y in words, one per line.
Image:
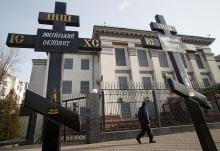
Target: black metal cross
column 177, row 63
column 56, row 42
column 184, row 88
column 51, row 130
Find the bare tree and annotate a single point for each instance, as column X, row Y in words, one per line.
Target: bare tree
column 9, row 57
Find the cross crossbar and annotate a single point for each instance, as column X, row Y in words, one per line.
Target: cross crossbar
column 161, row 26
column 72, row 45
column 50, row 18
column 43, row 105
column 187, row 92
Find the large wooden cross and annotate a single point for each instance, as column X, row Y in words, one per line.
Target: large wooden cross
column 173, row 45
column 55, row 42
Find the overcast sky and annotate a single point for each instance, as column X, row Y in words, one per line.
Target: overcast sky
column 190, row 17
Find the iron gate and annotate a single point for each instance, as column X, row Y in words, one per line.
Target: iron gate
column 76, row 102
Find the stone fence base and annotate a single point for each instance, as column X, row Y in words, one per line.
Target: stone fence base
column 118, row 135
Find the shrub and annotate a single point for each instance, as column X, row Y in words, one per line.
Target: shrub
column 9, row 117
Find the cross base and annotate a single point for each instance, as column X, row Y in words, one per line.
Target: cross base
column 200, row 125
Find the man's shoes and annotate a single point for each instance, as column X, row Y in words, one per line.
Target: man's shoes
column 152, row 141
column 138, row 140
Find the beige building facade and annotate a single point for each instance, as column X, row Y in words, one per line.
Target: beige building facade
column 201, row 66
column 123, row 61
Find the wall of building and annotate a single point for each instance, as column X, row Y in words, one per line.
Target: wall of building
column 113, row 38
column 217, row 59
column 77, row 74
column 103, row 68
column 37, row 85
column 108, row 60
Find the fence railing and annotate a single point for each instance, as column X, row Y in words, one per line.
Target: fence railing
column 133, row 85
column 153, row 85
column 120, row 106
column 13, row 130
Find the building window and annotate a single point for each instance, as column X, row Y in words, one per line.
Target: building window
column 123, row 82
column 67, row 87
column 163, row 59
column 183, row 60
column 85, row 64
column 142, row 58
column 199, row 61
column 125, row 110
column 84, row 87
column 206, row 82
column 68, row 63
column 82, row 115
column 120, row 57
column 75, row 107
column 146, row 82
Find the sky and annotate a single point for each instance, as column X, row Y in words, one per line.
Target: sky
column 190, row 17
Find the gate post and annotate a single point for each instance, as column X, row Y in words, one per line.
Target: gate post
column 93, row 112
column 157, row 109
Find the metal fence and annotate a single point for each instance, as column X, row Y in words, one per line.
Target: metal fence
column 13, row 130
column 121, row 104
column 119, row 107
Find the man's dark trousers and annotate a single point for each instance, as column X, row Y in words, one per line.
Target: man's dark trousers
column 145, row 127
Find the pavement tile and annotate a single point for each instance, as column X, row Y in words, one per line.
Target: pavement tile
column 173, row 142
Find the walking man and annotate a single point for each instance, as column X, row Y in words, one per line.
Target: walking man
column 143, row 117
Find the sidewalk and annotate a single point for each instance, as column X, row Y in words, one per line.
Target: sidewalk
column 173, row 142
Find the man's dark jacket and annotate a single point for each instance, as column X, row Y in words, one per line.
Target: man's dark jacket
column 143, row 115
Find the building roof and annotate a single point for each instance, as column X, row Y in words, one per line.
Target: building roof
column 217, row 57
column 137, row 33
column 39, row 61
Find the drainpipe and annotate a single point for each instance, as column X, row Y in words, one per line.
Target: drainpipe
column 93, row 72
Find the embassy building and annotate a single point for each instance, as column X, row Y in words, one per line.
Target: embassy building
column 128, row 73
column 124, row 60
